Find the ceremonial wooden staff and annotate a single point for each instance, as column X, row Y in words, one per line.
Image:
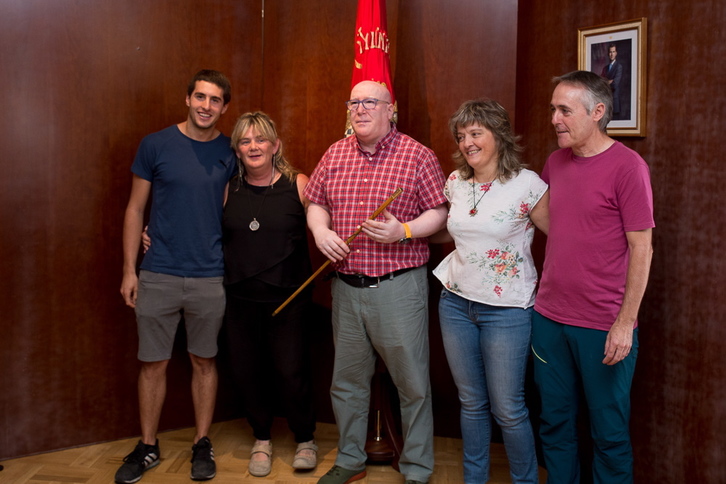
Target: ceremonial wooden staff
column 350, row 239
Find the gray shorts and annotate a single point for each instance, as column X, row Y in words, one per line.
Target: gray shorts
column 159, row 305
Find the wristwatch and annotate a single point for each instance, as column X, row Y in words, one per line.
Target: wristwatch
column 408, row 237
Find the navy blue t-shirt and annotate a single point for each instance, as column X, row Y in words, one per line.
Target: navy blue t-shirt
column 187, row 189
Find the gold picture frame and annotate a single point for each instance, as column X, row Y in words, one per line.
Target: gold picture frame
column 625, row 70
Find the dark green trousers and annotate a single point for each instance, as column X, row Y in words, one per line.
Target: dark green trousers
column 568, row 364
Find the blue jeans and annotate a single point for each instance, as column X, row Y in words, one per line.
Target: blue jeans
column 487, row 349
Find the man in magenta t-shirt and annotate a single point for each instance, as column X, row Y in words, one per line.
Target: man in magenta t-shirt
column 584, row 336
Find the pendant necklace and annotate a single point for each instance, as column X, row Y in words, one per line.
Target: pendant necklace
column 485, row 187
column 255, row 225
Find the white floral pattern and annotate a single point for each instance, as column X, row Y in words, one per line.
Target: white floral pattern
column 492, row 262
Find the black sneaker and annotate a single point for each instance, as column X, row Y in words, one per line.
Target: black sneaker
column 203, row 466
column 137, row 462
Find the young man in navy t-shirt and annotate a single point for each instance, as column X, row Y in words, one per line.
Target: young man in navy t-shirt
column 185, row 168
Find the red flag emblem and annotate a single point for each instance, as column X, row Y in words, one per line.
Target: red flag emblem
column 372, row 60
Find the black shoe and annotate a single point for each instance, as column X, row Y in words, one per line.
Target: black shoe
column 137, row 462
column 203, row 466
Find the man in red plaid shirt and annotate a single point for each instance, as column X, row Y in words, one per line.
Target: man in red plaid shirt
column 380, row 294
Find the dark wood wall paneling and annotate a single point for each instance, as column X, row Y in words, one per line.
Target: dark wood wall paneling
column 679, row 392
column 85, row 81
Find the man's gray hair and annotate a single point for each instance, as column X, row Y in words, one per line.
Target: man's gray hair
column 597, row 90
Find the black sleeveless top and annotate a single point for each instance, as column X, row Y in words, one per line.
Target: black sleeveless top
column 272, row 261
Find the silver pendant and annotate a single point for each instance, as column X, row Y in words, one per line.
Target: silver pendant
column 254, row 225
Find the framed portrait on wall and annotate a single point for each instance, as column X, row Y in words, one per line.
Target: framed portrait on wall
column 617, row 52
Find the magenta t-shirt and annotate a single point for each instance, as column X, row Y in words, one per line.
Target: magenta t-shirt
column 593, row 202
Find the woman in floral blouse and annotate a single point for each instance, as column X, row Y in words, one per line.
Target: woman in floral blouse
column 489, row 282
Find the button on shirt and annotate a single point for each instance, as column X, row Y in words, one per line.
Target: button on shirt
column 353, row 183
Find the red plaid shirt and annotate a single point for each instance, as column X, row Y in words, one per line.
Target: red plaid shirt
column 353, row 184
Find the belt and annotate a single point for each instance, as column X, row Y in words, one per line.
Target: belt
column 360, row 280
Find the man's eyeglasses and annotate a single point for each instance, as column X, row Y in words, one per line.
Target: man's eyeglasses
column 369, row 103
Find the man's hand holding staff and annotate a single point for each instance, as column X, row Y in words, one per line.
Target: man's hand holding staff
column 375, row 214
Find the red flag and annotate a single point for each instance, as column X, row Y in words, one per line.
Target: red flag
column 372, row 60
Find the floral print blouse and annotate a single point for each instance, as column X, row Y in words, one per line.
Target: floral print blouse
column 492, row 231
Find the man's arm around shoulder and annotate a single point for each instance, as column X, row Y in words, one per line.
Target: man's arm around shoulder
column 430, row 221
column 133, row 226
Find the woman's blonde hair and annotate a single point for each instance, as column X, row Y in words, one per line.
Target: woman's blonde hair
column 265, row 126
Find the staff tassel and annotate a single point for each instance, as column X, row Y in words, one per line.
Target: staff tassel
column 350, row 239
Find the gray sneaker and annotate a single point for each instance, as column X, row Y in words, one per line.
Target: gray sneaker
column 142, row 458
column 203, row 465
column 341, row 475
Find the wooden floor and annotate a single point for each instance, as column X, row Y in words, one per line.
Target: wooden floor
column 232, row 443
